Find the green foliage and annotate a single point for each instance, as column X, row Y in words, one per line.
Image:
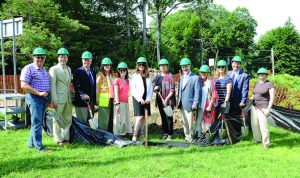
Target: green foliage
column 285, row 41
column 44, row 26
column 222, row 33
column 243, row 159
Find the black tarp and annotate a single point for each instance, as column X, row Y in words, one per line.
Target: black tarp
column 81, row 132
column 288, row 119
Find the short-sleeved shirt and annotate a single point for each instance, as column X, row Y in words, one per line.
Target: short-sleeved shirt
column 37, row 78
column 261, row 93
column 123, row 90
column 221, row 86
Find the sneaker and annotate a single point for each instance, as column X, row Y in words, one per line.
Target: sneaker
column 256, row 142
column 266, row 147
column 165, row 136
column 134, row 138
column 169, row 137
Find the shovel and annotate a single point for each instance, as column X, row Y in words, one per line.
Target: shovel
column 244, row 128
column 61, row 123
column 146, row 127
column 209, row 136
column 93, row 122
column 222, row 131
column 167, row 109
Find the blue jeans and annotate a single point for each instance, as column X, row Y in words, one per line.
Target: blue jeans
column 37, row 106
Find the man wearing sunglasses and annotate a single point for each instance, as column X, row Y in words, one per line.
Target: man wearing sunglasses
column 239, row 94
column 35, row 81
column 189, row 97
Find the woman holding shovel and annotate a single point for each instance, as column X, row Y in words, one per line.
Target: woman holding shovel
column 164, row 88
column 223, row 84
column 141, row 90
column 105, row 95
column 263, row 100
column 209, row 102
column 122, row 124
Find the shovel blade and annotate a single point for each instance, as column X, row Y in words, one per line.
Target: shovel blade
column 93, row 123
column 245, row 131
column 222, row 133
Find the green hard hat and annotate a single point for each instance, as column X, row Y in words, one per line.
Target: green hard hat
column 221, row 63
column 62, row 51
column 141, row 59
column 106, row 61
column 38, row 51
column 163, row 62
column 185, row 61
column 87, row 55
column 122, row 65
column 236, row 59
column 262, row 71
column 204, row 69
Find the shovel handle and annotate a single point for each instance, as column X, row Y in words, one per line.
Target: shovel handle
column 146, row 127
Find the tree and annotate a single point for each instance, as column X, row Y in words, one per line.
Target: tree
column 285, row 41
column 223, row 33
column 44, row 26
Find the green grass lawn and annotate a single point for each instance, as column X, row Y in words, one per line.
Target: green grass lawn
column 80, row 160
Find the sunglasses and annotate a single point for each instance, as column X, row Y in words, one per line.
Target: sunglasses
column 122, row 70
column 184, row 66
column 40, row 57
column 221, row 67
column 141, row 64
column 106, row 65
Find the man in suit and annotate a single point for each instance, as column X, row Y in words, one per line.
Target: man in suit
column 84, row 85
column 189, row 96
column 239, row 93
column 60, row 77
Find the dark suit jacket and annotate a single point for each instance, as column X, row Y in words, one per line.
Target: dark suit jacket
column 190, row 94
column 239, row 90
column 83, row 87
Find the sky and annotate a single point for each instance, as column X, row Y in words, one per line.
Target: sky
column 269, row 14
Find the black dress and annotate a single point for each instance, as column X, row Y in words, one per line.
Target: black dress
column 139, row 109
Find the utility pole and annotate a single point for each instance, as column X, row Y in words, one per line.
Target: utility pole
column 201, row 50
column 158, row 36
column 272, row 60
column 144, row 23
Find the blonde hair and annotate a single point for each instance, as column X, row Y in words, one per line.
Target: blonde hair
column 217, row 74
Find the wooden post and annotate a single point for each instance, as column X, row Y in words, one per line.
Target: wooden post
column 272, row 60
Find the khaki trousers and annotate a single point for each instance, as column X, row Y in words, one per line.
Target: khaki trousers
column 64, row 110
column 82, row 113
column 188, row 124
column 260, row 127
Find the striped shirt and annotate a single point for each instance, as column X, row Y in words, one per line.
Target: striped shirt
column 221, row 87
column 37, row 78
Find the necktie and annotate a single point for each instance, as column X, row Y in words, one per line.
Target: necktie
column 233, row 78
column 66, row 74
column 90, row 78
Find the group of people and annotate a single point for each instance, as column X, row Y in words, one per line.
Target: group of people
column 202, row 99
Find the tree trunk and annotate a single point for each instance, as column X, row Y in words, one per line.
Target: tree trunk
column 144, row 23
column 127, row 19
column 158, row 24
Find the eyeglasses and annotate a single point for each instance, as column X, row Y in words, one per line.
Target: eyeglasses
column 185, row 66
column 221, row 67
column 122, row 70
column 40, row 57
column 141, row 64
